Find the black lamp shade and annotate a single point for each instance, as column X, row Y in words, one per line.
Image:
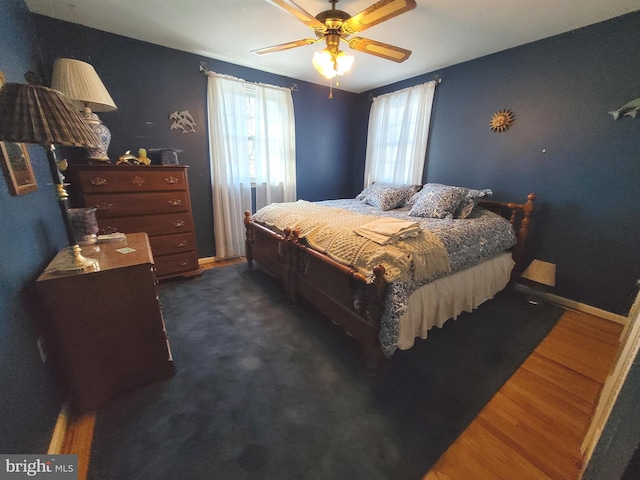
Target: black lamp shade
column 37, row 114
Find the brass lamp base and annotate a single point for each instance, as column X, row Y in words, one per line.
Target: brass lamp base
column 74, row 263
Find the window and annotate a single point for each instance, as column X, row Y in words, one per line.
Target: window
column 398, row 134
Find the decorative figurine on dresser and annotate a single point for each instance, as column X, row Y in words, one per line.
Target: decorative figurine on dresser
column 151, row 199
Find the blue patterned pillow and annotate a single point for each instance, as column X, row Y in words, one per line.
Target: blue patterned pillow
column 470, row 201
column 386, row 196
column 437, row 201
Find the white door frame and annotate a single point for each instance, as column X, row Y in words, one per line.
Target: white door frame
column 627, row 352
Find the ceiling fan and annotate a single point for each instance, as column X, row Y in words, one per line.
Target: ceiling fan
column 335, row 25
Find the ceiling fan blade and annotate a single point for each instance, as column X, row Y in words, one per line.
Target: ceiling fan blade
column 379, row 49
column 300, row 13
column 377, row 13
column 286, row 46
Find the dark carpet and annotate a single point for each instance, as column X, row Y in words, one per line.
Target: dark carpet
column 269, row 390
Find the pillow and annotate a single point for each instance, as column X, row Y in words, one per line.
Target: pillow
column 437, row 201
column 416, row 195
column 470, row 201
column 386, row 196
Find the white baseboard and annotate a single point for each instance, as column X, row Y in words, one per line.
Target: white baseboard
column 573, row 305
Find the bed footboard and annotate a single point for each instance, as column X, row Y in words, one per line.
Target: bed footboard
column 348, row 298
column 345, row 296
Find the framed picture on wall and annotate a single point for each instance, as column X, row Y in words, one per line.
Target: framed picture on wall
column 16, row 165
column 17, row 169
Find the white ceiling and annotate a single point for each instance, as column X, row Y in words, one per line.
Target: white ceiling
column 439, row 32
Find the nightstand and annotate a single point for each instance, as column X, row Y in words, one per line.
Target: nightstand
column 105, row 329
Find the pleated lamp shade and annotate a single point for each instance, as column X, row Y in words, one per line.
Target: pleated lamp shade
column 79, row 82
column 541, row 272
column 37, row 114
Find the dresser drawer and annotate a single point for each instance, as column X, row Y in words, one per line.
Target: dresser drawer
column 120, row 205
column 167, row 265
column 135, row 180
column 168, row 244
column 163, row 224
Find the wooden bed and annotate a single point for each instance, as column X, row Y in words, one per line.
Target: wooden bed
column 347, row 297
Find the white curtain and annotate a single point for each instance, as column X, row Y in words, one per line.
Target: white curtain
column 275, row 148
column 398, row 134
column 231, row 175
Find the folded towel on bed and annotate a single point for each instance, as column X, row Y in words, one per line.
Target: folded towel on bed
column 388, row 230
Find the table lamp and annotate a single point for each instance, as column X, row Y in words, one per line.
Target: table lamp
column 80, row 83
column 540, row 272
column 37, row 114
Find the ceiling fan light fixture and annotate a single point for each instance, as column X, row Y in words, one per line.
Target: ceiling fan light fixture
column 343, row 62
column 331, row 64
column 323, row 64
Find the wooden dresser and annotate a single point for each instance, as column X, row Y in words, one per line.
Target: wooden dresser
column 151, row 199
column 105, row 329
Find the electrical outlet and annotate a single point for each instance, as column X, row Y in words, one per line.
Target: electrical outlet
column 42, row 348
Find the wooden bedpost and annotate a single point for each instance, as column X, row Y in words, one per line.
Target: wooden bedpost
column 520, row 218
column 523, row 232
column 375, row 294
column 287, row 252
column 376, row 289
column 249, row 238
column 368, row 301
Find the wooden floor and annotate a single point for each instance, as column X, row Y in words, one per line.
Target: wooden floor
column 222, row 263
column 534, row 426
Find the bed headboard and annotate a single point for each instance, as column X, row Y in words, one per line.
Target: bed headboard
column 519, row 214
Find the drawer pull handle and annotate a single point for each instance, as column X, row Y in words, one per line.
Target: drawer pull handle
column 175, row 202
column 184, row 263
column 98, row 181
column 104, row 206
column 178, row 224
column 171, row 180
column 137, row 181
column 181, row 244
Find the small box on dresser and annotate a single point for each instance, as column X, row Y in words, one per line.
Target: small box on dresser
column 151, row 199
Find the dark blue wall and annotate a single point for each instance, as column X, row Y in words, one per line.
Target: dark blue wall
column 32, row 232
column 563, row 145
column 148, row 82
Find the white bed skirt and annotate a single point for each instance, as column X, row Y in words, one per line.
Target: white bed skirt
column 436, row 302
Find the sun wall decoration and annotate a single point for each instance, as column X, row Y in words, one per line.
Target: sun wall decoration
column 501, row 120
